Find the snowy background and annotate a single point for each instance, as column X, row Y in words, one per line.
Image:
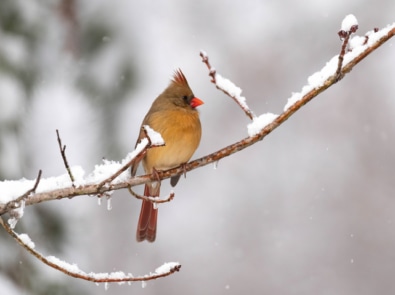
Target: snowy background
column 309, row 210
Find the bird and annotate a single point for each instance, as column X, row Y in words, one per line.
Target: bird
column 174, row 115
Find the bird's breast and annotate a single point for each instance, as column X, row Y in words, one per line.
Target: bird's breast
column 181, row 131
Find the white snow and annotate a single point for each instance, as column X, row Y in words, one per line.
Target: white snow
column 349, row 21
column 17, row 213
column 108, row 168
column 356, row 46
column 258, row 123
column 12, row 189
column 314, row 81
column 26, row 240
column 232, row 89
column 356, row 42
column 65, row 265
column 117, row 275
column 62, row 181
column 12, row 222
column 73, row 268
column 166, row 267
column 374, row 36
column 155, row 137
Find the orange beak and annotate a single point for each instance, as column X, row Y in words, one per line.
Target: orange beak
column 195, row 102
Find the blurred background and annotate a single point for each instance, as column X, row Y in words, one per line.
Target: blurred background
column 309, row 210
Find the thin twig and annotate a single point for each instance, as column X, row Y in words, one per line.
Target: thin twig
column 33, row 189
column 211, row 70
column 136, row 160
column 339, row 75
column 213, row 74
column 345, row 37
column 14, row 204
column 97, row 278
column 63, row 153
column 152, row 199
column 108, row 180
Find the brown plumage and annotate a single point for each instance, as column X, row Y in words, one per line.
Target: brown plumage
column 174, row 116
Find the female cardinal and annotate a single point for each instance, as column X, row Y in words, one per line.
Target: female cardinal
column 173, row 114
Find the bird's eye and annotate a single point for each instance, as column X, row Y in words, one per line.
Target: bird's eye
column 185, row 98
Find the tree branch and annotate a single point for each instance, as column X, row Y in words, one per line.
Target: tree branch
column 93, row 189
column 73, row 270
column 345, row 63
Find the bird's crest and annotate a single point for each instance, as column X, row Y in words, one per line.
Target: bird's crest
column 179, row 77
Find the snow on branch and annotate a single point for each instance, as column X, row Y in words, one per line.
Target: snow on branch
column 226, row 86
column 111, row 175
column 340, row 65
column 74, row 271
column 106, row 177
column 17, row 206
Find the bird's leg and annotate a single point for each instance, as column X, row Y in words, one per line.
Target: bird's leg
column 155, row 174
column 155, row 185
